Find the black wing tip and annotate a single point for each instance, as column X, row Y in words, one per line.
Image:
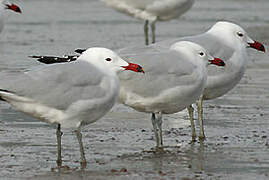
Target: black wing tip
column 80, row 51
column 33, row 56
column 54, row 59
column 4, row 90
column 44, row 59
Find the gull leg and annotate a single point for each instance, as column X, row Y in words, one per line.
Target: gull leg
column 153, row 31
column 190, row 110
column 59, row 142
column 157, row 126
column 146, row 31
column 154, row 124
column 200, row 116
column 160, row 132
column 82, row 154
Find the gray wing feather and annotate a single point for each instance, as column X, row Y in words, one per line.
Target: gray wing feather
column 57, row 85
column 167, row 69
column 212, row 44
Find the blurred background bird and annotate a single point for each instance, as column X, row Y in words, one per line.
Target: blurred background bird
column 151, row 11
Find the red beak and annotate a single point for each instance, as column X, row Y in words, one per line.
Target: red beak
column 13, row 7
column 217, row 61
column 257, row 45
column 134, row 67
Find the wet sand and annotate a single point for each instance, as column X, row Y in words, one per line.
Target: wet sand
column 119, row 145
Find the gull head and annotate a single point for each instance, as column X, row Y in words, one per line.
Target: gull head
column 107, row 60
column 195, row 51
column 233, row 34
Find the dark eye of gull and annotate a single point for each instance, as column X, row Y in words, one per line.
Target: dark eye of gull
column 108, row 59
column 201, row 53
column 240, row 34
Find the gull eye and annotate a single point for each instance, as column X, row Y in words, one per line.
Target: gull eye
column 240, row 34
column 108, row 59
column 201, row 53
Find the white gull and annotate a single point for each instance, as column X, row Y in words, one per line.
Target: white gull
column 175, row 78
column 70, row 95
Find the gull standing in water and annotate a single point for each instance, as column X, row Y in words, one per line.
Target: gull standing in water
column 175, row 78
column 151, row 11
column 70, row 95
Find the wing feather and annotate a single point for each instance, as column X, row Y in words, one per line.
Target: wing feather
column 66, row 82
column 166, row 68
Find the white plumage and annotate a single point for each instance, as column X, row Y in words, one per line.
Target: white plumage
column 69, row 94
column 175, row 78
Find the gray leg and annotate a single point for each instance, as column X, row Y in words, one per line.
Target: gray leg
column 200, row 116
column 82, row 154
column 157, row 126
column 59, row 142
column 146, row 32
column 153, row 31
column 190, row 110
column 154, row 124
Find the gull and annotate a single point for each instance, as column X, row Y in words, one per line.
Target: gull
column 151, row 11
column 70, row 95
column 229, row 42
column 175, row 78
column 4, row 5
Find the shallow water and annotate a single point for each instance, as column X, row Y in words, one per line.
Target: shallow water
column 236, row 124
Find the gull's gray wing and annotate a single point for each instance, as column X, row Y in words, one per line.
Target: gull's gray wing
column 57, row 85
column 212, row 44
column 162, row 70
